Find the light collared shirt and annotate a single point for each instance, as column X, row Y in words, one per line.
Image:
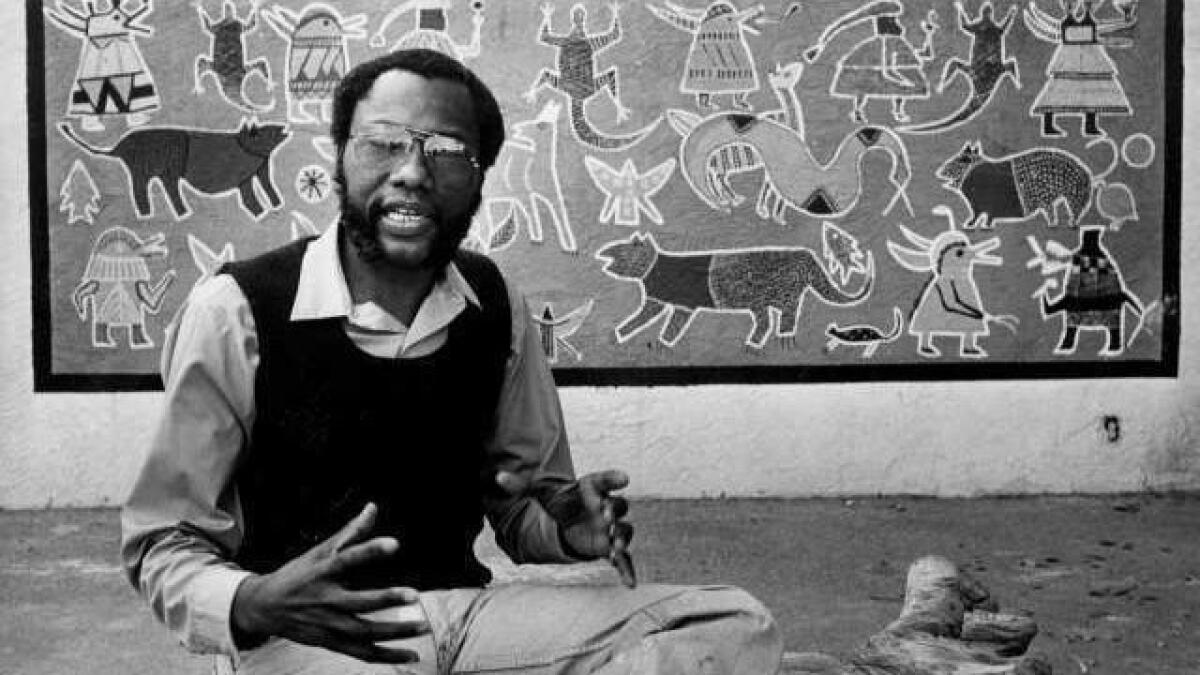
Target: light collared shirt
column 183, row 523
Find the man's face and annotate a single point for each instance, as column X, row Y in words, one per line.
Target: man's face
column 398, row 213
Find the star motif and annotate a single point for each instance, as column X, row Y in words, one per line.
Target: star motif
column 626, row 192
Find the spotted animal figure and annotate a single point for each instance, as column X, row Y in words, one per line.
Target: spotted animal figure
column 1020, row 185
column 769, row 284
column 576, row 76
column 211, row 162
column 862, row 335
column 227, row 58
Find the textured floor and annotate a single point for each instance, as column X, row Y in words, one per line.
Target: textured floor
column 1114, row 582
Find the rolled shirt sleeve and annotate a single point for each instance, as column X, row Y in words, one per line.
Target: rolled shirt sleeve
column 182, row 522
column 530, row 433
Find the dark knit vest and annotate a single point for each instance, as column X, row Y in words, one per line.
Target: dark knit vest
column 336, row 428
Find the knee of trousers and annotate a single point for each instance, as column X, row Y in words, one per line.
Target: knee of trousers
column 741, row 616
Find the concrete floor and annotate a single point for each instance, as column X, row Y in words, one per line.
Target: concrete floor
column 1114, row 582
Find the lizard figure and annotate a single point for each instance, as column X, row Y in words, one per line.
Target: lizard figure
column 227, row 57
column 576, row 75
column 987, row 68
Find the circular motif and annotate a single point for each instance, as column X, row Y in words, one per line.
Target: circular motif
column 1138, row 151
column 313, row 183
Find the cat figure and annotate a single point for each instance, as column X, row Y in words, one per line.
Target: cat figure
column 1020, row 185
column 862, row 334
column 769, row 284
column 211, row 162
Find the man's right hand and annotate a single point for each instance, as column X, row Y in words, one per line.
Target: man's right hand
column 307, row 600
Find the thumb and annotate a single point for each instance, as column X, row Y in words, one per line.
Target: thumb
column 357, row 530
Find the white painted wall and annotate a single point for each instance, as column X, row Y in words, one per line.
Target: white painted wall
column 960, row 438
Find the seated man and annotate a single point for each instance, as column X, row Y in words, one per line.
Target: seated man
column 341, row 414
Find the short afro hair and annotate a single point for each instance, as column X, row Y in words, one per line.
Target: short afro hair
column 431, row 65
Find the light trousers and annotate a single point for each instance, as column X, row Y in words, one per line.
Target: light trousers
column 563, row 630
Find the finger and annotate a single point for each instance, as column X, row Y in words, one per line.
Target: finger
column 361, row 602
column 384, row 631
column 358, row 529
column 338, row 636
column 622, row 535
column 365, row 553
column 594, row 489
column 620, row 507
column 607, row 481
column 372, row 652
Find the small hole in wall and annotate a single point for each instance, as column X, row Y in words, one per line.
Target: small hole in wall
column 1112, row 428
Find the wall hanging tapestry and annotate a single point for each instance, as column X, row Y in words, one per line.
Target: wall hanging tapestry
column 689, row 192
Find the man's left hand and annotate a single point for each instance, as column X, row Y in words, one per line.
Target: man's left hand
column 589, row 516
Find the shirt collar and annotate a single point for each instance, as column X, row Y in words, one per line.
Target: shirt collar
column 322, row 292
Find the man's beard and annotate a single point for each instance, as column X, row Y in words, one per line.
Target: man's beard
column 362, row 228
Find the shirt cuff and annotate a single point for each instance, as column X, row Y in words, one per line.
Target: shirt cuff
column 212, row 611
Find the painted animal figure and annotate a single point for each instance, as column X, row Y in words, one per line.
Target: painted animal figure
column 861, row 335
column 725, row 144
column 227, row 58
column 1020, row 185
column 1093, row 298
column 576, row 76
column 988, row 67
column 212, row 162
column 524, row 186
column 112, row 78
column 783, row 80
column 769, row 284
column 949, row 303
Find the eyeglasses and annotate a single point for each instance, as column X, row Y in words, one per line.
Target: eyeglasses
column 451, row 162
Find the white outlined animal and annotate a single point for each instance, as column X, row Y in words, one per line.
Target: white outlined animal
column 575, row 76
column 226, row 59
column 949, row 303
column 769, row 284
column 868, row 337
column 988, row 67
column 524, row 187
column 720, row 146
column 1023, row 184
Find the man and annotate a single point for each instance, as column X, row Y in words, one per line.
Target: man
column 342, row 413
